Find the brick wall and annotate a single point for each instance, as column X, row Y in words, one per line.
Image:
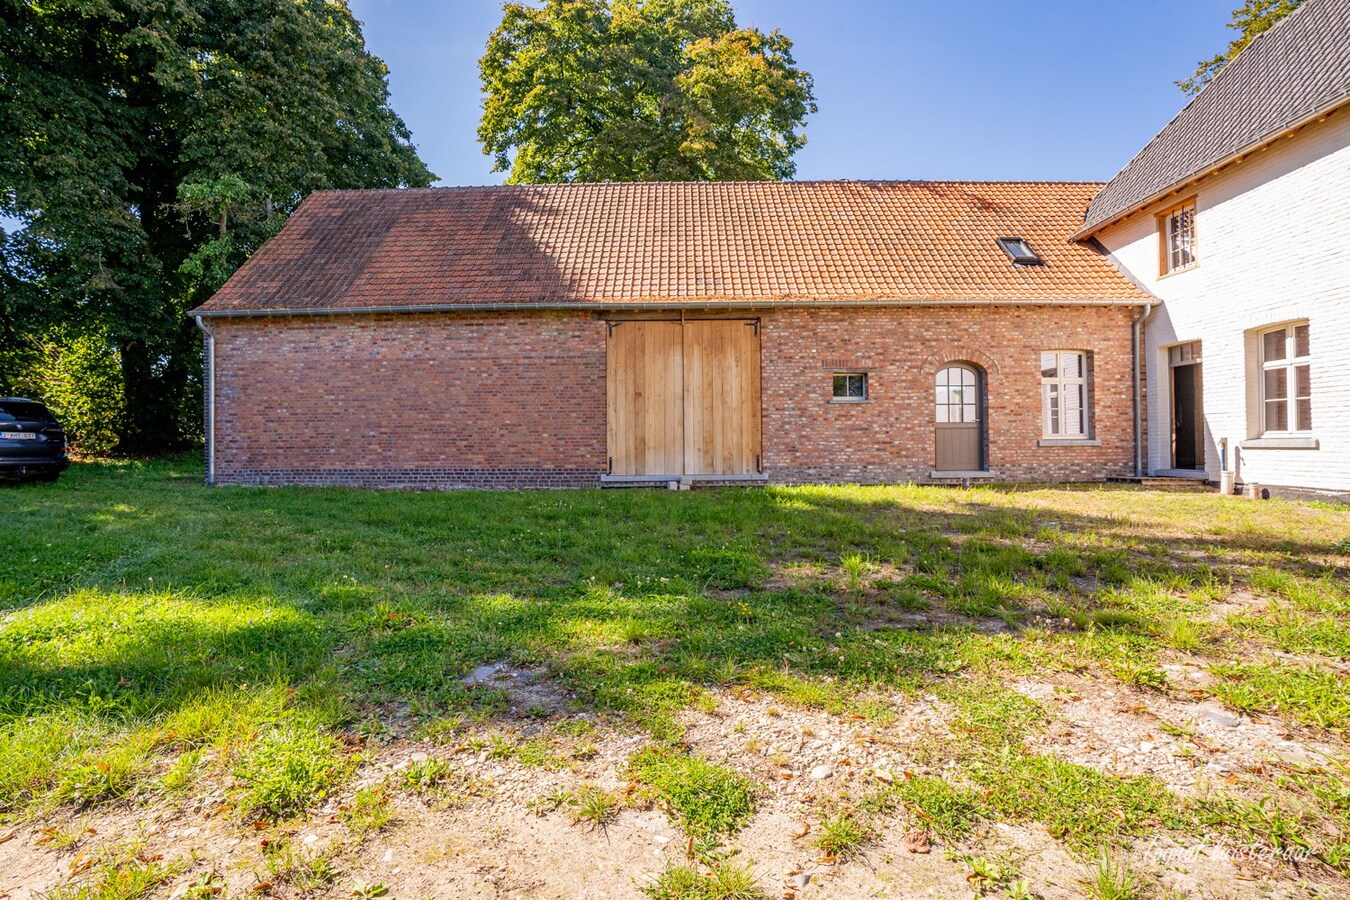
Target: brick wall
column 518, row 400
column 891, row 438
column 431, row 401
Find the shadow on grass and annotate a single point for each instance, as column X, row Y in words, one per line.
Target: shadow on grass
column 133, row 592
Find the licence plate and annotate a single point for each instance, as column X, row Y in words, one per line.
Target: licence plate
column 20, row 435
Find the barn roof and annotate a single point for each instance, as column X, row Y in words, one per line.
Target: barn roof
column 1291, row 74
column 769, row 243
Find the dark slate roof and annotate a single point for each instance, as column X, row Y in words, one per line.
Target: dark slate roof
column 1295, row 71
column 665, row 243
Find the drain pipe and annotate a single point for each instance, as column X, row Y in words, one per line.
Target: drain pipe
column 1137, row 351
column 209, row 373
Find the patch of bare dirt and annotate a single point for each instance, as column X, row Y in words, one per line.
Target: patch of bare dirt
column 1190, row 746
column 498, row 828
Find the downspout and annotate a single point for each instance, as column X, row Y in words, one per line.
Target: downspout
column 1137, row 332
column 209, row 338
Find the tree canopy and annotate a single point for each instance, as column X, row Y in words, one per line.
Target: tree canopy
column 1255, row 17
column 630, row 90
column 148, row 146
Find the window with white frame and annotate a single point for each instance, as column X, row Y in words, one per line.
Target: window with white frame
column 1064, row 394
column 1286, row 379
column 1177, row 227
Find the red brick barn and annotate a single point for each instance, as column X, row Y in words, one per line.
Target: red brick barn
column 578, row 335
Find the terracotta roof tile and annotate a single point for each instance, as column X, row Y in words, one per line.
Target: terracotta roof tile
column 761, row 242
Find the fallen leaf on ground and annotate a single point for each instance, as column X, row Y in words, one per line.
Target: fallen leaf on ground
column 917, row 842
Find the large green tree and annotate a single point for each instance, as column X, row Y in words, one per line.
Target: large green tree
column 149, row 145
column 1255, row 17
column 629, row 90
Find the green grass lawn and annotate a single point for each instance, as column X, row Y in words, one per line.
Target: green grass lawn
column 155, row 634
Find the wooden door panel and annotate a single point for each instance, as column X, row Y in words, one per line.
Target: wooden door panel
column 721, row 397
column 958, row 448
column 645, row 384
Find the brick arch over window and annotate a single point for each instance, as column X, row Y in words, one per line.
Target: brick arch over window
column 947, row 354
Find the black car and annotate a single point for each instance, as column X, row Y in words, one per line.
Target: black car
column 32, row 442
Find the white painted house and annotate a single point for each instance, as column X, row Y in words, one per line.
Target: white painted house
column 1236, row 216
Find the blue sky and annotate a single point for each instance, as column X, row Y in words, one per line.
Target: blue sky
column 960, row 89
column 1042, row 89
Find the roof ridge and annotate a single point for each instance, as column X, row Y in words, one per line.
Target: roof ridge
column 804, row 182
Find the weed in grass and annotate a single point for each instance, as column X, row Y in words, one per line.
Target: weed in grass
column 206, row 886
column 1184, row 732
column 121, row 873
column 288, row 769
column 182, row 774
column 843, row 836
column 550, row 802
column 368, row 812
column 1261, row 823
column 1139, row 673
column 1079, row 805
column 723, row 881
column 425, row 775
column 539, row 752
column 948, row 811
column 855, row 567
column 1111, row 879
column 362, row 890
column 1184, row 634
column 306, row 871
column 110, row 775
column 708, row 800
column 1308, row 694
column 997, row 874
column 595, row 806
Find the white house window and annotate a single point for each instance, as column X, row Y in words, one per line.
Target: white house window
column 850, row 387
column 1064, row 393
column 1286, row 380
column 1178, row 236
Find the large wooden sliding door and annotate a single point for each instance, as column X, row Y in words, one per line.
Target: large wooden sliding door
column 721, row 398
column 684, row 398
column 646, row 398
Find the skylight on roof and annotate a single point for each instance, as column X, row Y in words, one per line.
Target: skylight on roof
column 1019, row 251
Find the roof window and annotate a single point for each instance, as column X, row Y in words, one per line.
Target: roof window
column 1019, row 251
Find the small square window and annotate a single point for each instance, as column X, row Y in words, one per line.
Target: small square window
column 850, row 386
column 1019, row 251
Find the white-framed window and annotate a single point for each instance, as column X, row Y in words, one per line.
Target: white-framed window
column 1286, row 379
column 1064, row 394
column 1176, row 229
column 957, row 395
column 850, row 387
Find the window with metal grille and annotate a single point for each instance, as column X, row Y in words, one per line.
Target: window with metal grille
column 1064, row 394
column 1286, row 379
